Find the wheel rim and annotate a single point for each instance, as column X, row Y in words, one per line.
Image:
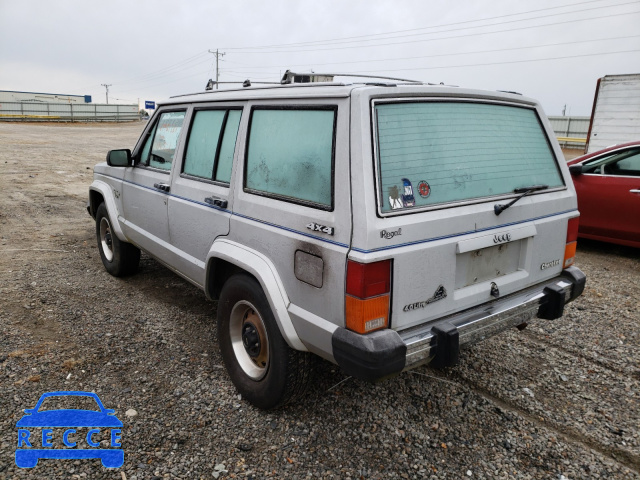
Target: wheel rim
column 249, row 340
column 106, row 241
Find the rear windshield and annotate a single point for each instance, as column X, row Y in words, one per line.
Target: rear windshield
column 432, row 153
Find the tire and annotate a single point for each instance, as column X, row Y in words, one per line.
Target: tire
column 119, row 258
column 266, row 372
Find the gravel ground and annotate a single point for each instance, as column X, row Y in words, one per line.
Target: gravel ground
column 556, row 401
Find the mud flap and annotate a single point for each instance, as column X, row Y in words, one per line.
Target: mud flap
column 447, row 345
column 553, row 304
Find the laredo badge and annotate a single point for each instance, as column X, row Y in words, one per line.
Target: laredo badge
column 439, row 294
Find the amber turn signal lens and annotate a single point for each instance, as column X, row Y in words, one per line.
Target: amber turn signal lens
column 569, row 254
column 364, row 316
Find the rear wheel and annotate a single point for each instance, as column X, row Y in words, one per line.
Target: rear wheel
column 118, row 257
column 264, row 369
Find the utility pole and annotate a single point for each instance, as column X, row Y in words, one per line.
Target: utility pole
column 107, row 87
column 218, row 55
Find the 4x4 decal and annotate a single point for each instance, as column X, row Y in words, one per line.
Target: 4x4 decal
column 320, row 228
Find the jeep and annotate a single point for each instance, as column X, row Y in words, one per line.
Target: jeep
column 380, row 224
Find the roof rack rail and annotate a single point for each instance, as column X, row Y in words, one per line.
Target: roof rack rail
column 246, row 83
column 292, row 77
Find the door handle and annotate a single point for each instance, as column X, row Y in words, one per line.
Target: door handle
column 634, row 191
column 162, row 186
column 218, row 202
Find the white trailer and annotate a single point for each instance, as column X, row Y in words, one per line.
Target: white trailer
column 615, row 116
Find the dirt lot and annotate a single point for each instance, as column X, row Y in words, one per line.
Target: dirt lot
column 556, row 401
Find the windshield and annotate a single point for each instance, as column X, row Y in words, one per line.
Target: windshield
column 66, row 402
column 432, row 153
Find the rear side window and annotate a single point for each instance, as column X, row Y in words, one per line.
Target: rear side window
column 432, row 153
column 211, row 144
column 160, row 147
column 290, row 155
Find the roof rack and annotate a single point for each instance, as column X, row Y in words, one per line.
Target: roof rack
column 246, row 83
column 292, row 77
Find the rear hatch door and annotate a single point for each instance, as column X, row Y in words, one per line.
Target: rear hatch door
column 441, row 166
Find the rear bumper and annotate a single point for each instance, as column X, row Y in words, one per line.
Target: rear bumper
column 387, row 352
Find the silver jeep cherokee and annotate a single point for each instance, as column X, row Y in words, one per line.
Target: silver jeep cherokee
column 380, row 225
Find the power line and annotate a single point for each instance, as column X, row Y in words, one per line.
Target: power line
column 199, row 74
column 166, row 74
column 444, row 54
column 166, row 71
column 502, row 63
column 443, row 38
column 156, row 72
column 350, row 39
column 400, row 69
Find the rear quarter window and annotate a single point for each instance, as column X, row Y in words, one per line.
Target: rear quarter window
column 290, row 155
column 434, row 153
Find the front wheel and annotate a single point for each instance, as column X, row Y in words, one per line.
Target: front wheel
column 264, row 369
column 118, row 257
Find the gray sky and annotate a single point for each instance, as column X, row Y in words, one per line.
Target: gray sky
column 552, row 50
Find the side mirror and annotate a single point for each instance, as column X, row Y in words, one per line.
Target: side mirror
column 575, row 169
column 119, row 158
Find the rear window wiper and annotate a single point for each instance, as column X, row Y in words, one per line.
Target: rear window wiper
column 498, row 208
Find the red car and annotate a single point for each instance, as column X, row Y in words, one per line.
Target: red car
column 608, row 187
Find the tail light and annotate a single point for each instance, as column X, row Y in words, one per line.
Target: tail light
column 368, row 295
column 572, row 242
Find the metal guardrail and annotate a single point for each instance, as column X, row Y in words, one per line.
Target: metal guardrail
column 67, row 112
column 572, row 139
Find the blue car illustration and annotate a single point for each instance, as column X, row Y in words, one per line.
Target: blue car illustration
column 27, row 453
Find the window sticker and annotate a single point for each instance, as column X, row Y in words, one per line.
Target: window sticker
column 424, row 189
column 408, row 200
column 394, row 197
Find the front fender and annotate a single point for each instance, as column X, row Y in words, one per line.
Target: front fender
column 265, row 272
column 107, row 194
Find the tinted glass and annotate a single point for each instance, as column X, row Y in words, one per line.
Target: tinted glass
column 437, row 152
column 625, row 162
column 225, row 158
column 203, row 142
column 165, row 140
column 629, row 166
column 291, row 154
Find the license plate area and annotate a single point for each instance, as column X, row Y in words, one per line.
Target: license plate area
column 477, row 266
